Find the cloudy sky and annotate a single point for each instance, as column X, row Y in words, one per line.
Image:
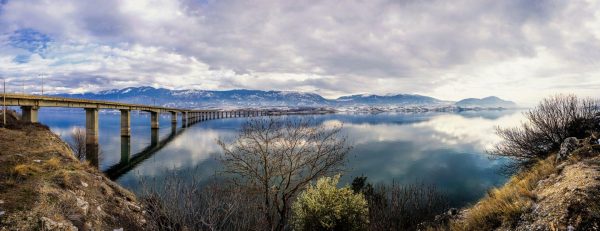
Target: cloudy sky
column 516, row 49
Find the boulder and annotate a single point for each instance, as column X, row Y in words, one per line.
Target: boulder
column 566, row 148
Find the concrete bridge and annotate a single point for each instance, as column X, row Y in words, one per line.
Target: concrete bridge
column 30, row 104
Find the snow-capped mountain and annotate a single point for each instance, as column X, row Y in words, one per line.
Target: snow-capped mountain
column 257, row 98
column 202, row 98
column 399, row 99
column 487, row 102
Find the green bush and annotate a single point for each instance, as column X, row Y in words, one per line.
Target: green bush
column 325, row 207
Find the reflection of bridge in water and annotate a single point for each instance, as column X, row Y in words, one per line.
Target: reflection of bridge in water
column 129, row 162
column 30, row 104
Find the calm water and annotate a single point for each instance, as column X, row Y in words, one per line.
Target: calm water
column 445, row 149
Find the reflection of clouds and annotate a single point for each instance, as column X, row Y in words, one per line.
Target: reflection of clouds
column 194, row 146
column 449, row 130
column 332, row 123
column 63, row 132
column 454, row 129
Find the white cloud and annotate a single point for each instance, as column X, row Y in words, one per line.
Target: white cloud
column 520, row 50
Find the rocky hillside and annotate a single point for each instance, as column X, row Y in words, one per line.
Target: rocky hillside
column 43, row 187
column 558, row 193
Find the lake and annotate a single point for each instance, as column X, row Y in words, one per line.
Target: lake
column 445, row 149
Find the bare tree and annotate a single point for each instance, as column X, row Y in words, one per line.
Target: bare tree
column 553, row 120
column 77, row 142
column 181, row 201
column 277, row 158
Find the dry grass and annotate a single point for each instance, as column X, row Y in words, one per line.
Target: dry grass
column 503, row 206
column 40, row 177
column 26, row 170
column 53, row 163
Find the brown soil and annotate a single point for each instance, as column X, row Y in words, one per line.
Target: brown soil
column 44, row 187
column 570, row 198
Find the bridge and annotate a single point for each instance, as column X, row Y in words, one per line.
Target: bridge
column 30, row 105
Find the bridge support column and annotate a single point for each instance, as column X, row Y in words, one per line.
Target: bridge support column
column 30, row 114
column 184, row 119
column 125, row 149
column 154, row 120
column 91, row 136
column 125, row 123
column 154, row 137
column 174, row 119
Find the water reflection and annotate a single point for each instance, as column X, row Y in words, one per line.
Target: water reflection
column 128, row 163
column 440, row 148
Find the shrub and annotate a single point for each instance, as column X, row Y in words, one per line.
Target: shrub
column 181, row 201
column 401, row 207
column 326, row 207
column 547, row 125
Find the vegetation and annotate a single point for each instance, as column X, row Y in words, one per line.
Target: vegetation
column 277, row 158
column 180, row 203
column 548, row 125
column 326, row 207
column 533, row 146
column 400, row 207
column 43, row 187
column 77, row 142
column 506, row 204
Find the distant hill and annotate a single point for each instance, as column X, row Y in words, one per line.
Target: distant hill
column 400, row 99
column 257, row 98
column 487, row 102
column 202, row 98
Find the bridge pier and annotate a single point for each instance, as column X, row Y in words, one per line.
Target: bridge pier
column 125, row 123
column 125, row 149
column 30, row 114
column 91, row 136
column 154, row 120
column 154, row 137
column 184, row 119
column 173, row 119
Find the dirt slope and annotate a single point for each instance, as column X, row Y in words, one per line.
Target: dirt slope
column 43, row 187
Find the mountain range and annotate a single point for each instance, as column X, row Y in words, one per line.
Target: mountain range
column 258, row 98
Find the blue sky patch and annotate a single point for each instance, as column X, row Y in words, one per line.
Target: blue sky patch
column 30, row 40
column 22, row 58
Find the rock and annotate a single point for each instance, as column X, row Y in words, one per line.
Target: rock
column 568, row 145
column 84, row 184
column 37, row 161
column 2, row 213
column 49, row 224
column 83, row 205
column 452, row 211
column 119, row 229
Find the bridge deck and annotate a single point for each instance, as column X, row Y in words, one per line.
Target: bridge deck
column 52, row 101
